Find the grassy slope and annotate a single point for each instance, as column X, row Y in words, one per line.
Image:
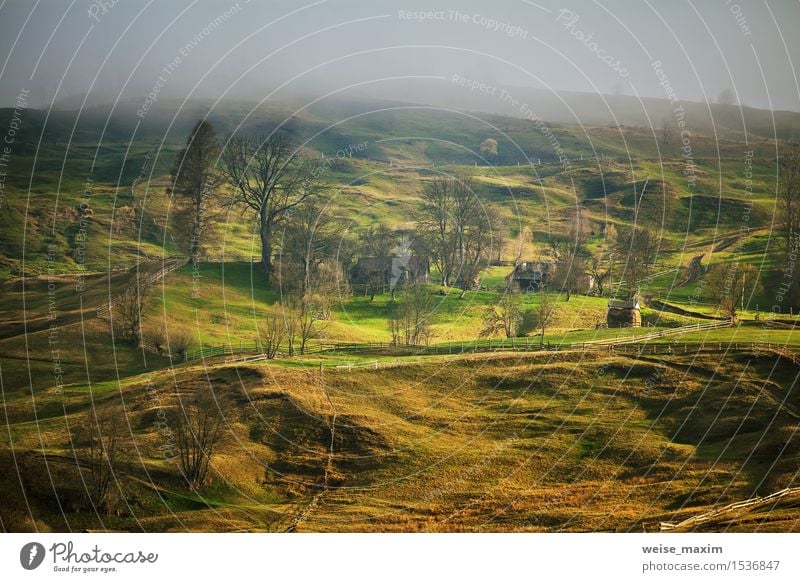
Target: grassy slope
column 537, row 443
column 536, row 200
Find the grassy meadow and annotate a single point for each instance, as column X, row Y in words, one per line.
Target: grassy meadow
column 561, row 439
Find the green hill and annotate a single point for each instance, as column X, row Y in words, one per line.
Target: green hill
column 385, row 152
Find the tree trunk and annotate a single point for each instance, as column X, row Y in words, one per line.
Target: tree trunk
column 266, row 246
column 306, row 274
column 197, row 225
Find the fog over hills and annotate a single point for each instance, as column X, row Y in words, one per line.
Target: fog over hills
column 125, row 119
column 245, row 50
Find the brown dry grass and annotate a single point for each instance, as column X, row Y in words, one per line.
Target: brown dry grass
column 497, row 442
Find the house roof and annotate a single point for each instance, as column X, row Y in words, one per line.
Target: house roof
column 409, row 262
column 530, row 270
column 373, row 263
column 528, row 275
column 619, row 304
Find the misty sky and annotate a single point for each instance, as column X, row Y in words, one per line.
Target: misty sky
column 67, row 48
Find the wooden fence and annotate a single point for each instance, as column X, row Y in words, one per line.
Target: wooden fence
column 663, row 333
column 252, row 351
column 696, row 520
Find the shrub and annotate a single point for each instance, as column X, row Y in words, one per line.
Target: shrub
column 181, row 342
column 157, row 337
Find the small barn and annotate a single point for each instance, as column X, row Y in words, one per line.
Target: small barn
column 528, row 277
column 624, row 313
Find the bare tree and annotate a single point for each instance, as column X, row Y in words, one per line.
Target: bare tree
column 732, row 284
column 562, row 249
column 569, row 275
column 129, row 312
column 309, row 318
column 199, row 421
column 610, row 233
column 290, row 315
column 788, row 215
column 435, row 225
column 104, row 432
column 156, row 337
column 310, row 312
column 180, row 342
column 569, row 269
column 378, row 241
column 272, row 333
column 579, row 232
column 374, row 273
column 195, row 177
column 457, row 230
column 270, row 178
column 505, row 317
column 789, row 197
column 126, row 220
column 600, row 269
column 638, row 250
column 310, row 236
column 666, row 131
column 305, row 319
column 412, row 315
column 476, row 239
column 543, row 313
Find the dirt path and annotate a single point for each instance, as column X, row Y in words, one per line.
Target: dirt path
column 663, row 306
column 694, row 271
column 329, row 467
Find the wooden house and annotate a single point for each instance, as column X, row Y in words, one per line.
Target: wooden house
column 528, row 277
